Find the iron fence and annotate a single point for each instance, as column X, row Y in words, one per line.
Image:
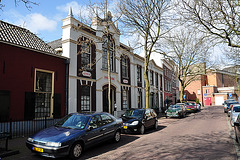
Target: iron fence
column 22, row 128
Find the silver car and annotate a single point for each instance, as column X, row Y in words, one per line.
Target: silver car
column 234, row 113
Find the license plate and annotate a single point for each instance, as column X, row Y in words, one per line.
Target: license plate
column 124, row 127
column 37, row 149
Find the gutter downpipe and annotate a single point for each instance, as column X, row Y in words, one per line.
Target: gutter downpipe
column 67, row 62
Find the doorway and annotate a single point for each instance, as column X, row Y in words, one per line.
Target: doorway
column 105, row 98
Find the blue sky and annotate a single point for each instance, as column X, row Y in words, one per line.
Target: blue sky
column 45, row 19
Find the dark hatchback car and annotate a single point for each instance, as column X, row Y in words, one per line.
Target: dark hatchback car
column 191, row 107
column 74, row 133
column 137, row 120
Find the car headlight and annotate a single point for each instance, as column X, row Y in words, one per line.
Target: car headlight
column 53, row 144
column 134, row 123
column 30, row 139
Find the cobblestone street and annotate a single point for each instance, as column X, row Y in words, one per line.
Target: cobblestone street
column 202, row 135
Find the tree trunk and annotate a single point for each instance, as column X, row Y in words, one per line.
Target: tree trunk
column 146, row 84
column 109, row 74
column 182, row 93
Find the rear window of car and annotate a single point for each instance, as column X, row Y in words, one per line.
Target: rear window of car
column 232, row 103
column 191, row 104
column 236, row 109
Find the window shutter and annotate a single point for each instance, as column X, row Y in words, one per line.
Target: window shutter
column 29, row 110
column 57, row 106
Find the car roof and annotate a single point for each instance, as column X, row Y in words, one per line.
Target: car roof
column 233, row 102
column 88, row 113
column 236, row 105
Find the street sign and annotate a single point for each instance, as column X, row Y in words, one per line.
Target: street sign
column 184, row 96
column 230, row 94
column 205, row 94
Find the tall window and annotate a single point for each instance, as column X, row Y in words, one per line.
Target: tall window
column 156, row 80
column 85, row 98
column 160, row 82
column 207, row 91
column 124, row 66
column 139, row 99
column 85, row 55
column 151, row 77
column 151, row 100
column 108, row 47
column 139, row 73
column 125, row 99
column 44, row 92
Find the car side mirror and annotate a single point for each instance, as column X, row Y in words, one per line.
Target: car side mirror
column 236, row 123
column 89, row 128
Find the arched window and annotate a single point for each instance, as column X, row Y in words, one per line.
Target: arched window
column 85, row 55
column 125, row 66
column 84, row 51
column 108, row 47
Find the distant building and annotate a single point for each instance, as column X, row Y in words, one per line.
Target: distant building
column 32, row 76
column 214, row 87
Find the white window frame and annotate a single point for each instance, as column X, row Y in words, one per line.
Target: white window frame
column 36, row 90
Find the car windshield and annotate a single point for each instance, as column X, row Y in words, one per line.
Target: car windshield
column 190, row 104
column 228, row 100
column 73, row 121
column 232, row 103
column 236, row 109
column 175, row 106
column 134, row 113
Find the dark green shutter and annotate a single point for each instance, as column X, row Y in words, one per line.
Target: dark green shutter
column 29, row 110
column 57, row 106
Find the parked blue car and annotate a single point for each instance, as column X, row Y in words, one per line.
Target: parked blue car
column 74, row 133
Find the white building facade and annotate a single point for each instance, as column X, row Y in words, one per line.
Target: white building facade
column 88, row 72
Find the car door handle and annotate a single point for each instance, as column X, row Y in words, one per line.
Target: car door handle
column 103, row 129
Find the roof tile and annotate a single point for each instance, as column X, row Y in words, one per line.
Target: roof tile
column 22, row 37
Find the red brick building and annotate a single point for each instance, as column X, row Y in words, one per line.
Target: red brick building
column 214, row 87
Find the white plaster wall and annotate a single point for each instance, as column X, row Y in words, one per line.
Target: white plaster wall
column 70, row 36
column 72, row 100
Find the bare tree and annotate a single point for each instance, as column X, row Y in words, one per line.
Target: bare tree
column 148, row 20
column 28, row 3
column 218, row 18
column 189, row 51
column 97, row 9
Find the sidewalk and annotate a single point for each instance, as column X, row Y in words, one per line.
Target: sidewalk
column 19, row 144
column 16, row 149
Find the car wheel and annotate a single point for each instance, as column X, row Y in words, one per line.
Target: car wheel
column 237, row 139
column 156, row 125
column 117, row 136
column 236, row 136
column 142, row 129
column 232, row 124
column 184, row 115
column 76, row 150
